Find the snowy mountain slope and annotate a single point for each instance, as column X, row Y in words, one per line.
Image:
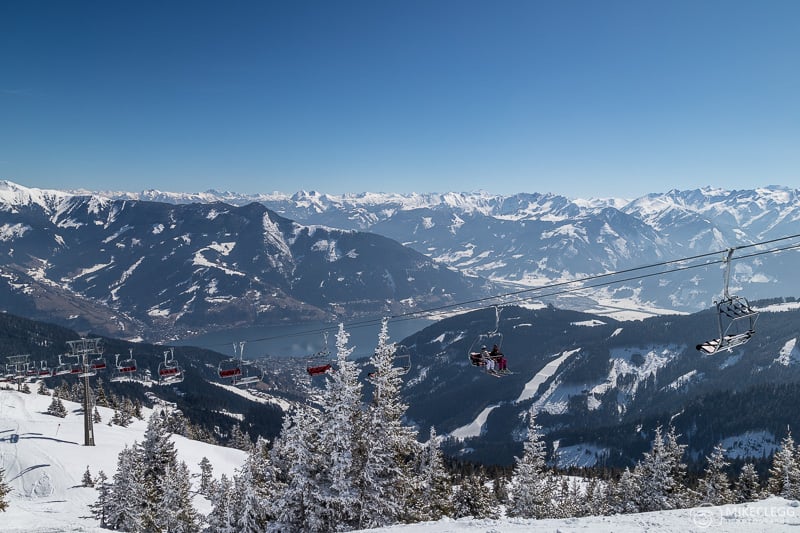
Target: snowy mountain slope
column 773, row 515
column 146, row 268
column 600, row 386
column 45, row 466
column 534, row 239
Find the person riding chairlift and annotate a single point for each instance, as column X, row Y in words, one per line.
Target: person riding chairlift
column 488, row 359
column 497, row 355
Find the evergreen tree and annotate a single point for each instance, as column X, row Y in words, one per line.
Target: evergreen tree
column 748, row 486
column 56, row 407
column 784, row 475
column 339, row 432
column 595, row 500
column 87, row 480
column 122, row 417
column 472, row 498
column 136, row 409
column 386, row 443
column 206, row 476
column 100, row 394
column 101, row 505
column 175, row 510
column 624, row 493
column 239, row 439
column 715, row 486
column 96, row 418
column 532, row 494
column 157, row 455
column 64, row 391
column 660, row 475
column 76, row 392
column 4, row 490
column 297, row 455
column 222, row 519
column 433, row 491
column 26, row 389
column 254, row 491
column 127, row 500
column 42, row 390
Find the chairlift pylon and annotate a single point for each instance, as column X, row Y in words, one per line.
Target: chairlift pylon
column 736, row 320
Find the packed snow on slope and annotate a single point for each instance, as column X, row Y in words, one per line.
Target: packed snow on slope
column 45, row 466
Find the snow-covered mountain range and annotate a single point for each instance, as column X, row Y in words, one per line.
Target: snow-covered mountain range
column 131, row 267
column 536, row 239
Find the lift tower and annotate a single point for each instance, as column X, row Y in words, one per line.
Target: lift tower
column 82, row 349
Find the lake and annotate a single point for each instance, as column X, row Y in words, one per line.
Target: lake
column 300, row 340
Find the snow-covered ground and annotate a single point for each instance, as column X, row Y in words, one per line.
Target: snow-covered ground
column 771, row 515
column 45, row 465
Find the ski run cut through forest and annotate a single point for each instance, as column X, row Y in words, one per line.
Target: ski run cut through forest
column 350, row 465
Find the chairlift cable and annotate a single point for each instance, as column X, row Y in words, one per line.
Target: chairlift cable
column 503, row 297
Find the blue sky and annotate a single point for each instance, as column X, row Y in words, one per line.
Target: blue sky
column 581, row 98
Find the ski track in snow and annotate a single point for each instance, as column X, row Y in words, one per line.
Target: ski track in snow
column 44, row 468
column 529, row 391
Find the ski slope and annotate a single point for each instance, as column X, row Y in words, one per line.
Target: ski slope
column 44, row 468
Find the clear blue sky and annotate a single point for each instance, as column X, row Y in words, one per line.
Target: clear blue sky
column 581, row 98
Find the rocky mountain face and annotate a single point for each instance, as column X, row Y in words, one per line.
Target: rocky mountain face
column 533, row 240
column 600, row 387
column 136, row 268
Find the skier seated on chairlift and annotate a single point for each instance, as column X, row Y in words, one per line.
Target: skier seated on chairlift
column 499, row 358
column 488, row 360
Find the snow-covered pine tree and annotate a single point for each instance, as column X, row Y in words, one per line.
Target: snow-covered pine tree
column 76, row 392
column 748, row 486
column 340, row 404
column 221, row 519
column 26, row 389
column 56, row 407
column 100, row 394
column 715, row 487
column 239, row 439
column 87, row 480
column 176, row 513
column 296, row 454
column 433, row 487
column 533, row 489
column 64, row 391
column 206, row 476
column 126, row 500
column 136, row 409
column 784, row 475
column 386, row 444
column 96, row 418
column 660, row 475
column 100, row 505
column 623, row 494
column 4, row 490
column 595, row 500
column 473, row 498
column 42, row 390
column 254, row 491
column 156, row 455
